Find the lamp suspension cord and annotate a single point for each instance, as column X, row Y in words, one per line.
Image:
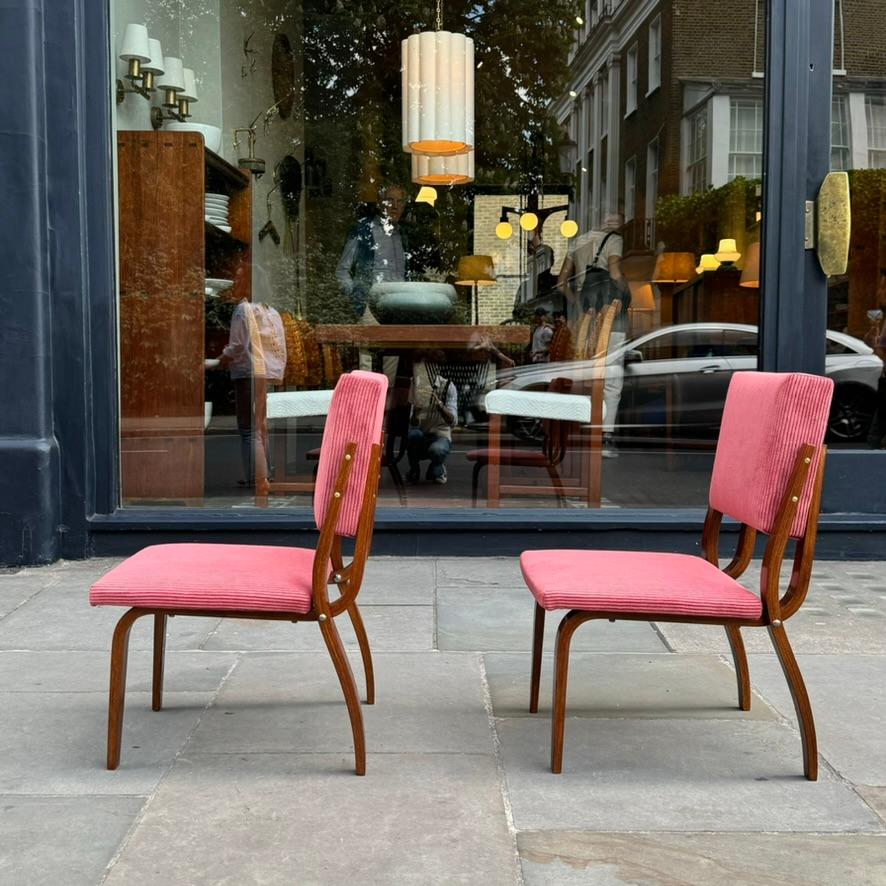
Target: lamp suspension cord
column 439, row 15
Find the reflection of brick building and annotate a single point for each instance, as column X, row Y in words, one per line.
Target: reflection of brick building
column 666, row 98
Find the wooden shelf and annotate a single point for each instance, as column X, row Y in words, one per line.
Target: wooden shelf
column 217, row 237
column 219, row 168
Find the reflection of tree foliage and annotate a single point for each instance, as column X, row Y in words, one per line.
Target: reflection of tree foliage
column 352, row 108
column 695, row 222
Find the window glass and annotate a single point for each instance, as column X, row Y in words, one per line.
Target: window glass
column 290, row 209
column 875, row 112
column 840, row 139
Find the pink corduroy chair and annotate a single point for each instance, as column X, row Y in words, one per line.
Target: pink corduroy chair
column 263, row 582
column 767, row 475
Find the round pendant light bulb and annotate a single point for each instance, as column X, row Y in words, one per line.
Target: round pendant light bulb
column 529, row 221
column 569, row 228
column 503, row 230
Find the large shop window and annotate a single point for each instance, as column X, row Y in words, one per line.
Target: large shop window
column 297, row 200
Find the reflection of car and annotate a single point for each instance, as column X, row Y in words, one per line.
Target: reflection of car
column 675, row 379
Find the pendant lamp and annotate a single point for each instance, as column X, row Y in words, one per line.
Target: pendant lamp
column 457, row 169
column 438, row 92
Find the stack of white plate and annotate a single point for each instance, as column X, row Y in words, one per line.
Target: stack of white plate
column 217, row 206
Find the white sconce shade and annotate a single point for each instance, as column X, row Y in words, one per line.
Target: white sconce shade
column 503, row 230
column 727, row 251
column 569, row 228
column 135, row 44
column 529, row 221
column 457, row 169
column 173, row 79
column 438, row 93
column 154, row 65
column 189, row 93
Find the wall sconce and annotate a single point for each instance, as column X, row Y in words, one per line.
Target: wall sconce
column 179, row 90
column 727, row 253
column 143, row 62
column 254, row 164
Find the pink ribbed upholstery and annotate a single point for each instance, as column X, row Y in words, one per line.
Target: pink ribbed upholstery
column 355, row 416
column 768, row 416
column 209, row 576
column 639, row 583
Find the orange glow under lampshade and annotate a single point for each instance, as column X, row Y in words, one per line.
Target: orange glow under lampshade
column 674, row 267
column 479, row 269
column 750, row 275
column 642, row 297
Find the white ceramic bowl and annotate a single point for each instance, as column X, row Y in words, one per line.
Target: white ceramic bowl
column 211, row 134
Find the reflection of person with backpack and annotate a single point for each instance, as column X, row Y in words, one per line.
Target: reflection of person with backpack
column 591, row 274
column 434, row 412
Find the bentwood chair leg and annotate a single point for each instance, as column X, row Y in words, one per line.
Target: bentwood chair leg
column 567, row 628
column 159, row 656
column 742, row 675
column 538, row 636
column 349, row 689
column 801, row 699
column 117, row 693
column 365, row 652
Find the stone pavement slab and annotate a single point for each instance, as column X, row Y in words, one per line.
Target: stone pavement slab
column 500, row 619
column 672, row 775
column 47, row 841
column 55, row 742
column 307, row 819
column 661, row 685
column 573, row 858
column 292, row 703
column 391, row 580
column 848, row 697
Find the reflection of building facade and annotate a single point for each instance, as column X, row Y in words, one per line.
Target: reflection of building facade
column 663, row 101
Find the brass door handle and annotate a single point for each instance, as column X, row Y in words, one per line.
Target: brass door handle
column 833, row 223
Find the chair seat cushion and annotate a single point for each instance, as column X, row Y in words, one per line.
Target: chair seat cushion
column 209, row 576
column 637, row 583
column 528, row 457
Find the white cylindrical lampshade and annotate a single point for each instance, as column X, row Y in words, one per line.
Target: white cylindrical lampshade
column 438, row 93
column 173, row 74
column 189, row 93
column 135, row 44
column 457, row 169
column 154, row 65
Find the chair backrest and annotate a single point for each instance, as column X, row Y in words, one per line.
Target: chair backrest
column 767, row 418
column 355, row 416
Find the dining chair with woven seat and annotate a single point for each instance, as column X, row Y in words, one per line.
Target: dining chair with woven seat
column 264, row 582
column 767, row 475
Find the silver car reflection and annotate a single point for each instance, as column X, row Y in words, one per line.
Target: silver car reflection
column 675, row 381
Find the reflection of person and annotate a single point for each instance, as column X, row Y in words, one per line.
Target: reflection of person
column 377, row 251
column 434, row 412
column 540, row 283
column 256, row 357
column 875, row 337
column 591, row 275
column 561, row 343
column 540, row 347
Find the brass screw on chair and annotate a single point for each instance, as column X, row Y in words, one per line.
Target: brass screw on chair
column 348, row 457
column 794, row 499
column 336, row 495
column 337, row 576
column 776, row 622
column 321, row 617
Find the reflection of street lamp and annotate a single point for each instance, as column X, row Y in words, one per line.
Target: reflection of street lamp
column 531, row 219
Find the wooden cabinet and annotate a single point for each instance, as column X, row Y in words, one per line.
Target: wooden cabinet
column 167, row 250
